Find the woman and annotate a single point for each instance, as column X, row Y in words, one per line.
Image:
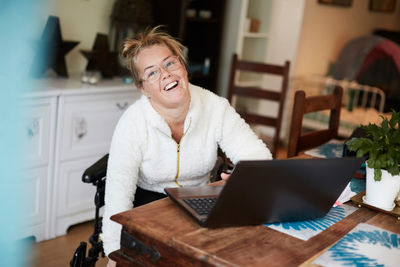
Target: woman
column 170, row 136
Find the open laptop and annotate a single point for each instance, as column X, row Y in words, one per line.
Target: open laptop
column 268, row 191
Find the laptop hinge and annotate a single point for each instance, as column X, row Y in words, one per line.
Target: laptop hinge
column 130, row 242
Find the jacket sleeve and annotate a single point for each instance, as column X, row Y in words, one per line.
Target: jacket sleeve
column 122, row 176
column 238, row 140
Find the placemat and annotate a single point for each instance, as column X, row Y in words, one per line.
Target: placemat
column 331, row 149
column 365, row 245
column 304, row 230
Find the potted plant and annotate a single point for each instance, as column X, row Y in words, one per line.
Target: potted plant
column 382, row 166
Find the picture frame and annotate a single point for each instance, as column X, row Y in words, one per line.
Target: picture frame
column 342, row 3
column 382, row 5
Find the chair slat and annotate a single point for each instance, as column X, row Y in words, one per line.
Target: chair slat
column 260, row 67
column 256, row 92
column 258, row 119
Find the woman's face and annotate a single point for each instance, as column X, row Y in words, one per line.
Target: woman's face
column 164, row 80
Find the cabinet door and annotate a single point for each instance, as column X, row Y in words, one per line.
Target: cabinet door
column 37, row 130
column 75, row 199
column 88, row 122
column 34, row 200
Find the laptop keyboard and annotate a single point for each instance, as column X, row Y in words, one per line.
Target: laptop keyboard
column 201, row 206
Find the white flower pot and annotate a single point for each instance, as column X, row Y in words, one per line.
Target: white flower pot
column 383, row 193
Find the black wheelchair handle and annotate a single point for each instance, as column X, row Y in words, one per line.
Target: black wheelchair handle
column 96, row 171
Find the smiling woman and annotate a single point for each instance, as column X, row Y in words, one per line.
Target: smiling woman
column 164, row 81
column 171, row 135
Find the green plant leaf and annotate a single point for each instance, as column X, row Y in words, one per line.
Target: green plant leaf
column 395, row 119
column 394, row 170
column 385, row 125
column 383, row 146
column 377, row 174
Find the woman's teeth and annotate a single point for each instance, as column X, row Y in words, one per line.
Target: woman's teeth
column 170, row 86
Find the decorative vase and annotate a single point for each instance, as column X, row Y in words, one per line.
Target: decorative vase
column 381, row 194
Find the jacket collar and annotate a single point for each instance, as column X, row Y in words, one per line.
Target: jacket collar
column 158, row 122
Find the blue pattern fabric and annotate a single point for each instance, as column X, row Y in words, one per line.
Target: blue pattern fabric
column 365, row 245
column 332, row 149
column 357, row 185
column 304, row 230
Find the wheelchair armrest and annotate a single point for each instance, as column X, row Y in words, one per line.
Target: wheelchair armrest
column 96, row 171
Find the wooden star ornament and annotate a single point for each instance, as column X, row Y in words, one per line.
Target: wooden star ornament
column 51, row 50
column 101, row 58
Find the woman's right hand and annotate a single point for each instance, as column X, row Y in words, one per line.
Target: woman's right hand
column 111, row 263
column 225, row 176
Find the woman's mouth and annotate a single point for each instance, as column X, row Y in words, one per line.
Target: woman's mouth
column 171, row 86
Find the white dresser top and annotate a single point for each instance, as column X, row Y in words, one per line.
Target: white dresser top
column 73, row 86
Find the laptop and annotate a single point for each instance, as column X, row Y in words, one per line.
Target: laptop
column 269, row 191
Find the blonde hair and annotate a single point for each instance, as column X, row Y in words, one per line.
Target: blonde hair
column 131, row 47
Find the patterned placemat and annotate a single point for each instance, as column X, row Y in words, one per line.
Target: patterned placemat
column 365, row 245
column 331, row 149
column 304, row 230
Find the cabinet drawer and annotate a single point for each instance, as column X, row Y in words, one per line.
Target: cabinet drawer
column 74, row 196
column 87, row 124
column 33, row 193
column 36, row 131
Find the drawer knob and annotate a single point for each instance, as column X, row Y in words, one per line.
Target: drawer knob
column 32, row 128
column 80, row 127
column 122, row 106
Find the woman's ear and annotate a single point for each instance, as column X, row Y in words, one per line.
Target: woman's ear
column 141, row 88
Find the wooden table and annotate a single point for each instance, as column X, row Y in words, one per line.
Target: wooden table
column 174, row 239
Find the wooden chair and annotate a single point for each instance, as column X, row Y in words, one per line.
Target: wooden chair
column 259, row 93
column 302, row 105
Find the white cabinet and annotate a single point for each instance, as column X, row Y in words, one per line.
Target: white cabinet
column 86, row 123
column 66, row 127
column 37, row 132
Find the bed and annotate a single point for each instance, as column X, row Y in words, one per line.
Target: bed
column 362, row 104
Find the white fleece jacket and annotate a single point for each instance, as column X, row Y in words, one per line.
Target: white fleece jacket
column 143, row 152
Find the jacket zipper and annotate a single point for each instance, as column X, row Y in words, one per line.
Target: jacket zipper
column 178, row 149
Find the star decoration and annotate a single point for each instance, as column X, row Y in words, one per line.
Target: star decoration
column 101, row 58
column 52, row 50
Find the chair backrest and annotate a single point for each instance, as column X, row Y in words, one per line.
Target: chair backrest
column 260, row 92
column 302, row 105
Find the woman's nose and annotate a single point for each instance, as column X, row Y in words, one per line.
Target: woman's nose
column 164, row 73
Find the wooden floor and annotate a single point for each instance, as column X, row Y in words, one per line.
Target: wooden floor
column 59, row 251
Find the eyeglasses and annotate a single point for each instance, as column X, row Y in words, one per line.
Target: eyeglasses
column 153, row 74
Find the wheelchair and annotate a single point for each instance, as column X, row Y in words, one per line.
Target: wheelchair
column 96, row 175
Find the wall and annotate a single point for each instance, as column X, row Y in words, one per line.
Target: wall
column 326, row 29
column 80, row 20
column 229, row 41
